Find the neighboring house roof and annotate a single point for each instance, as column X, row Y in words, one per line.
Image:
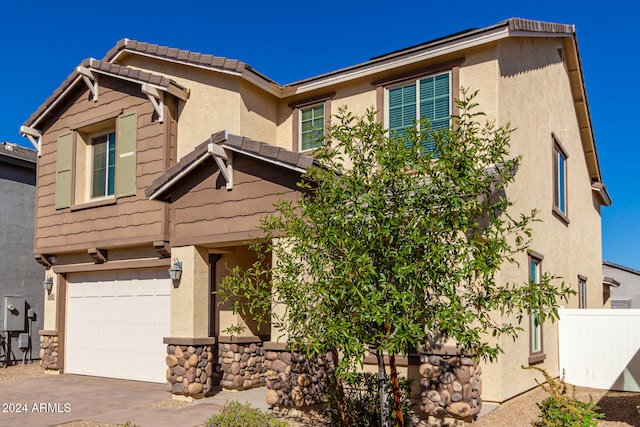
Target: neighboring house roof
column 15, row 154
column 259, row 150
column 620, row 267
column 610, row 281
column 514, row 27
column 104, row 68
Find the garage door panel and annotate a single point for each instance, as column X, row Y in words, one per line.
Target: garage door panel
column 107, row 336
column 107, row 363
column 163, row 306
column 125, row 308
column 116, row 323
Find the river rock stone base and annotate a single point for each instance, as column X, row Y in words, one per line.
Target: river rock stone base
column 49, row 352
column 450, row 386
column 295, row 380
column 190, row 369
column 241, row 366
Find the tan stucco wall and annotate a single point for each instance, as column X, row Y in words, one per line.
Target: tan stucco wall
column 189, row 301
column 217, row 101
column 534, row 96
column 244, row 257
column 50, row 311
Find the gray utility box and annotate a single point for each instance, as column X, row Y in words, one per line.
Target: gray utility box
column 14, row 312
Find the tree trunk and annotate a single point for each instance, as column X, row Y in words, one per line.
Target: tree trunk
column 344, row 415
column 395, row 386
column 382, row 388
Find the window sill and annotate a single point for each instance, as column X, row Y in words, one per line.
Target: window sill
column 560, row 215
column 536, row 358
column 97, row 203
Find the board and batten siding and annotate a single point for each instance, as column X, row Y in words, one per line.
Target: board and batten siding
column 205, row 212
column 130, row 220
column 600, row 348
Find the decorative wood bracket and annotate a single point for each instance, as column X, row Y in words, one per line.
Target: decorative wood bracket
column 98, row 255
column 224, row 161
column 43, row 259
column 157, row 99
column 163, row 248
column 90, row 80
column 35, row 136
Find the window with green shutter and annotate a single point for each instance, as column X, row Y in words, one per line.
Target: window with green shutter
column 428, row 97
column 311, row 127
column 101, row 164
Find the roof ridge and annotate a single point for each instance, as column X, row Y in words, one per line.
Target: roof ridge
column 176, row 54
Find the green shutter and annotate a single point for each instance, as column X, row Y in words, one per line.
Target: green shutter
column 64, row 162
column 126, row 143
column 435, row 104
column 402, row 108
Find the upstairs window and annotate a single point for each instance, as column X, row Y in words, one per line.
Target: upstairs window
column 426, row 97
column 103, row 165
column 311, row 127
column 559, row 180
column 310, row 121
column 96, row 161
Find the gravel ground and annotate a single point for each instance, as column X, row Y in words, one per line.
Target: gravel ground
column 20, row 372
column 619, row 407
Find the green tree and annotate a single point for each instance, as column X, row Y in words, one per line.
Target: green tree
column 392, row 246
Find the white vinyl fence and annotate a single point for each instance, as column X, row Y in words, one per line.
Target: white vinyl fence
column 600, row 348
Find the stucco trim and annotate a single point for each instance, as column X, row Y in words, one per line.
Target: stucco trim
column 188, row 340
column 239, row 340
column 409, row 360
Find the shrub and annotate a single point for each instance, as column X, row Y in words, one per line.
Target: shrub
column 563, row 410
column 363, row 401
column 235, row 414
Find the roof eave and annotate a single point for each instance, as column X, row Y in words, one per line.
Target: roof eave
column 514, row 27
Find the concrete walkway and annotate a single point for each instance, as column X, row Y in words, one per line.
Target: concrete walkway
column 53, row 400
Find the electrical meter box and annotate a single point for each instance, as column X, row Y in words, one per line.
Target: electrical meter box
column 14, row 313
column 23, row 341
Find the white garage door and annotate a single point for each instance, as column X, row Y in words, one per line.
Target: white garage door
column 116, row 322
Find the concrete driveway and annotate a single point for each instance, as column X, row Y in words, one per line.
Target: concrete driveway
column 53, row 400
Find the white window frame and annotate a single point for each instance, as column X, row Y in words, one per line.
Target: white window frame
column 90, row 171
column 324, row 122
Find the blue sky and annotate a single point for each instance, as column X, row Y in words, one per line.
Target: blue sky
column 43, row 41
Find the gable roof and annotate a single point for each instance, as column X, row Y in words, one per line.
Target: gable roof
column 103, row 68
column 513, row 27
column 261, row 151
column 187, row 57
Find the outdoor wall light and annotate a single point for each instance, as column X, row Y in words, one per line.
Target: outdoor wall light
column 175, row 272
column 48, row 283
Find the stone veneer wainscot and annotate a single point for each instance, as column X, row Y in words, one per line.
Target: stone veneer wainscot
column 49, row 350
column 450, row 384
column 190, row 366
